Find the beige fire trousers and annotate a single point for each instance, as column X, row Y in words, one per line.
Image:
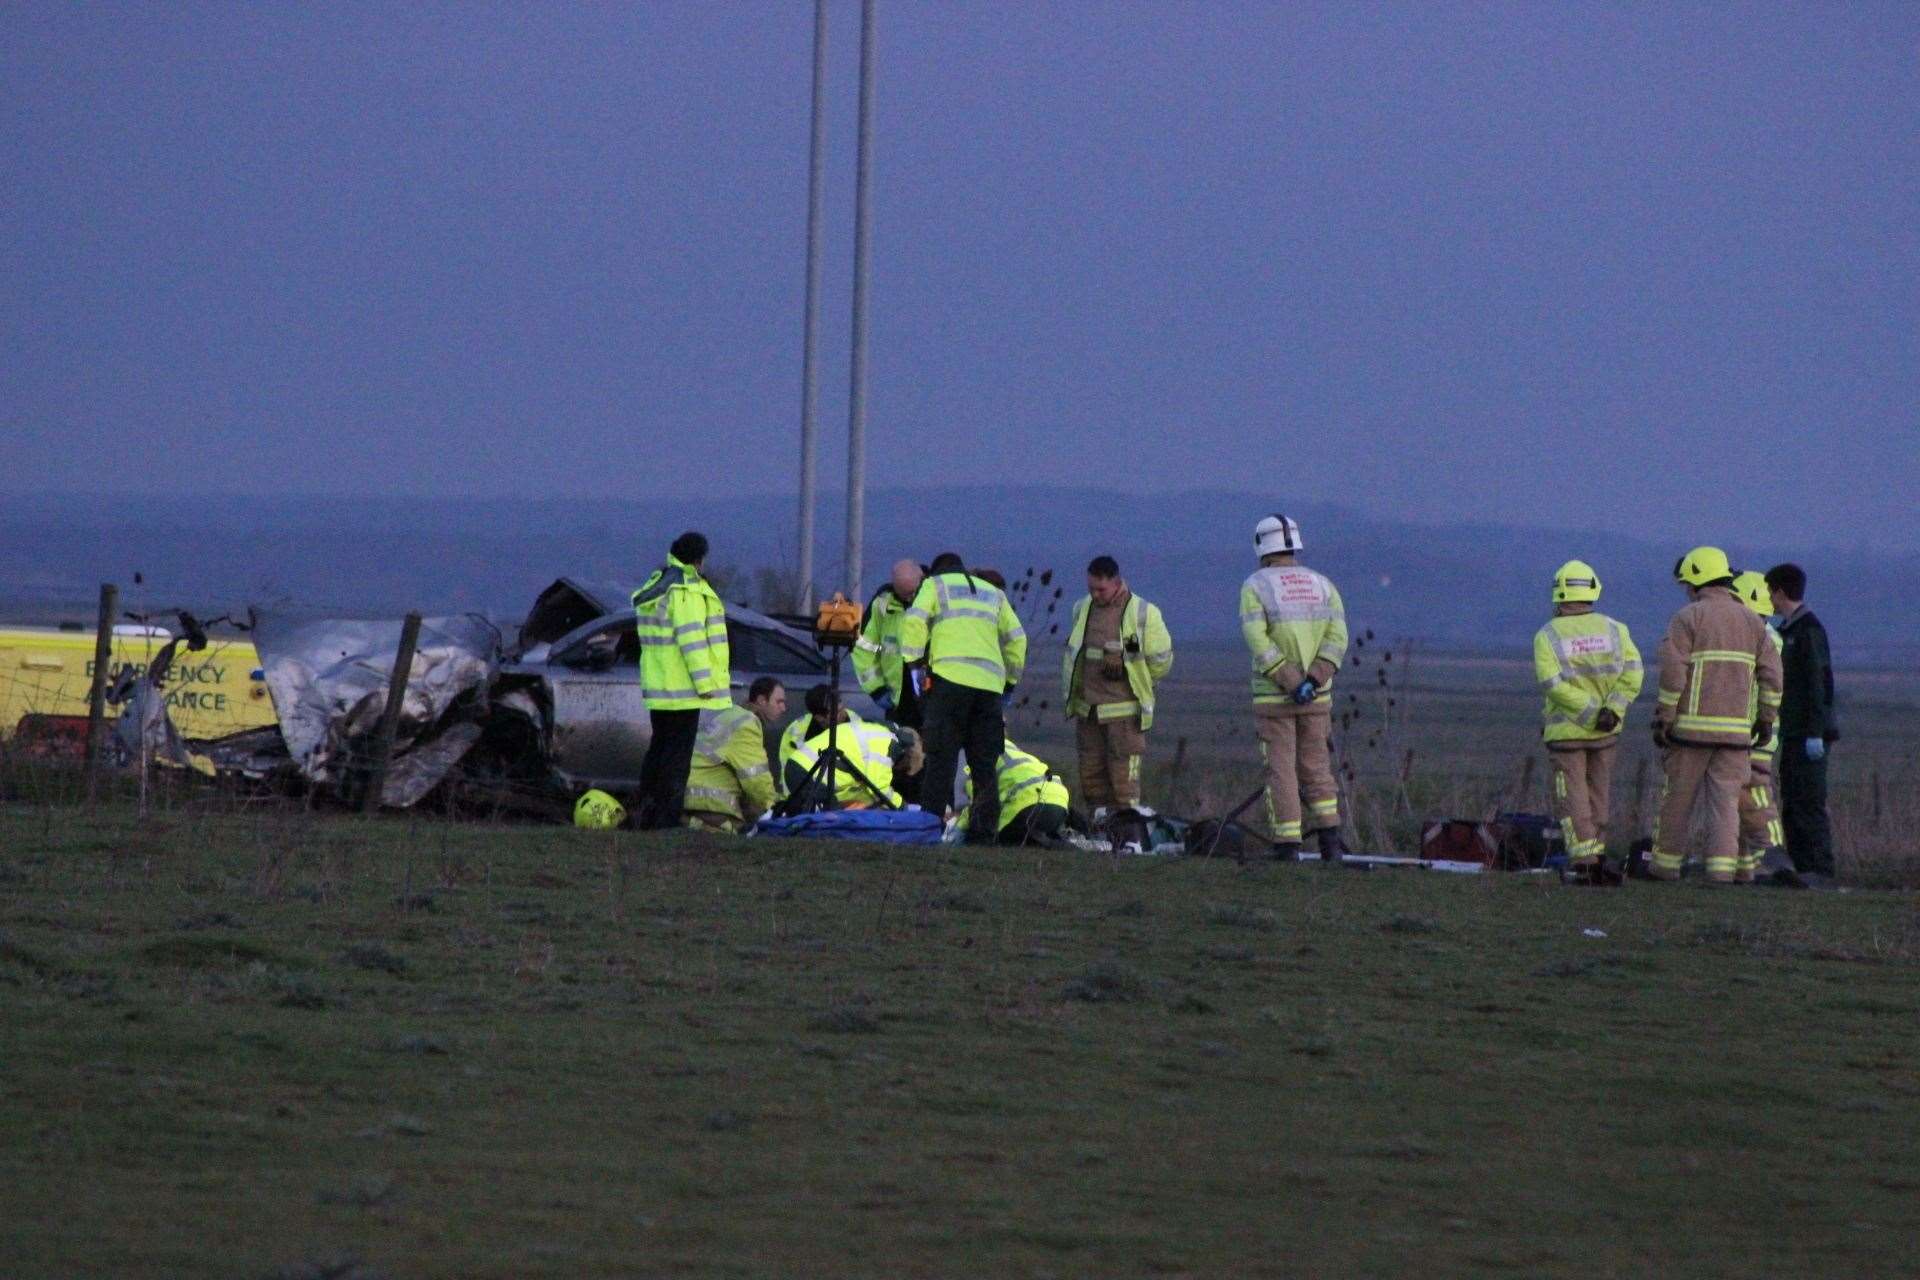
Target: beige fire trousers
column 1583, row 796
column 1110, row 755
column 1714, row 776
column 1294, row 743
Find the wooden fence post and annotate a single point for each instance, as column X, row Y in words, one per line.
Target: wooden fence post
column 390, row 722
column 97, row 691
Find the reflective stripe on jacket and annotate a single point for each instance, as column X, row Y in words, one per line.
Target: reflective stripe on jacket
column 683, row 641
column 864, row 744
column 1141, row 621
column 1296, row 629
column 1023, row 780
column 876, row 654
column 793, row 736
column 1764, row 753
column 967, row 631
column 1585, row 662
column 1715, row 653
column 729, row 774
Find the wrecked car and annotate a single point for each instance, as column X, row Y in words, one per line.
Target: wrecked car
column 577, row 658
column 523, row 724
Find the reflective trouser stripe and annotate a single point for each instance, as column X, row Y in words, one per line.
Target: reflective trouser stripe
column 1714, row 779
column 1294, row 751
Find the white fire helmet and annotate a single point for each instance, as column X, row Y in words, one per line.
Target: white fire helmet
column 1274, row 535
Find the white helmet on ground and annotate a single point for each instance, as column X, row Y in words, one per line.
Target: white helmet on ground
column 1274, row 535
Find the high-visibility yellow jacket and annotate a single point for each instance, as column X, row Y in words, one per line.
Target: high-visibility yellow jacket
column 1296, row 628
column 1714, row 655
column 876, row 654
column 730, row 776
column 1023, row 780
column 1584, row 662
column 1146, row 664
column 867, row 746
column 967, row 631
column 1764, row 753
column 793, row 736
column 683, row 641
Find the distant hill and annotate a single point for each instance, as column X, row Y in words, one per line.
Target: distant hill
column 1474, row 587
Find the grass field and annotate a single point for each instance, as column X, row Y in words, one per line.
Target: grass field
column 270, row 1043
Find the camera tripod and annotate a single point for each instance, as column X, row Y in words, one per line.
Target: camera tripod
column 810, row 796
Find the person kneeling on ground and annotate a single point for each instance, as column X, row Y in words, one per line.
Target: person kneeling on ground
column 729, row 784
column 874, row 750
column 1033, row 800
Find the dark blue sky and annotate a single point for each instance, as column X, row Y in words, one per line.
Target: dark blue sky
column 1648, row 268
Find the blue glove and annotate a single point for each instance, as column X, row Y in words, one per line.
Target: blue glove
column 884, row 701
column 1306, row 693
column 1816, row 748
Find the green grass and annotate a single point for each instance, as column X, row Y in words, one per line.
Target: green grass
column 234, row 1045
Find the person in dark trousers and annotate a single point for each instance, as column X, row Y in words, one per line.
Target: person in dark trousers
column 684, row 670
column 962, row 636
column 1807, row 723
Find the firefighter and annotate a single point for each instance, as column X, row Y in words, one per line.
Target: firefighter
column 1117, row 650
column 962, row 634
column 1761, row 836
column 1710, row 714
column 1296, row 628
column 1033, row 800
column 730, row 784
column 876, row 656
column 683, row 671
column 1590, row 673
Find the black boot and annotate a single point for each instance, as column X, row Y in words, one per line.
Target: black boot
column 1332, row 847
column 1286, row 850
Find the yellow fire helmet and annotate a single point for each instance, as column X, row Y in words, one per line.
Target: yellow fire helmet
column 598, row 811
column 1575, row 582
column 1702, row 565
column 1752, row 587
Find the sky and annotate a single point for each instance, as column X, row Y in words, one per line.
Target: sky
column 1643, row 268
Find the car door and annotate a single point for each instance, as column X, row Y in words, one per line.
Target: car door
column 600, row 726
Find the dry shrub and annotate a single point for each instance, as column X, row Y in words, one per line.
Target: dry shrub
column 1874, row 828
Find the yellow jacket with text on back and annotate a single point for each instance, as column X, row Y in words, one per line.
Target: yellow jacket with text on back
column 1296, row 629
column 1584, row 662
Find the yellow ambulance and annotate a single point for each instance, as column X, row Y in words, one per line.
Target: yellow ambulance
column 46, row 672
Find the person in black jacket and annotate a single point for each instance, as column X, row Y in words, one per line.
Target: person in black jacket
column 1806, row 723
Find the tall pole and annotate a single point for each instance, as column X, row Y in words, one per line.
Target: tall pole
column 809, row 372
column 862, row 249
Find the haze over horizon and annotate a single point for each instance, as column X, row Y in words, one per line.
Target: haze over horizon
column 1648, row 273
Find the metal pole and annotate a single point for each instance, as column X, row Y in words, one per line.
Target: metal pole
column 390, row 721
column 809, row 372
column 97, row 691
column 862, row 252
